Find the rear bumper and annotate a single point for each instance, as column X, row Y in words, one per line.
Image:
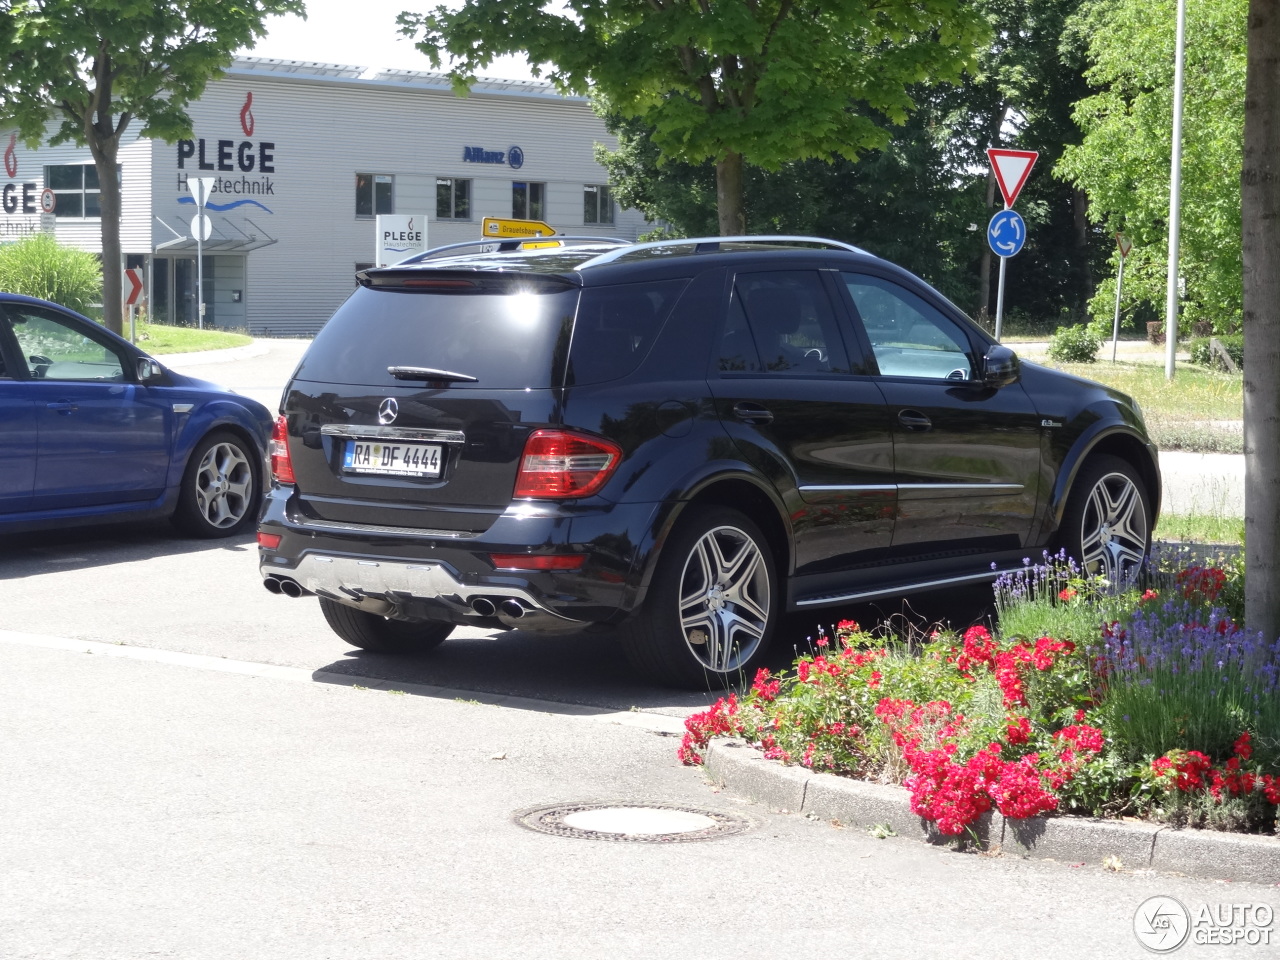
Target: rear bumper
column 444, row 575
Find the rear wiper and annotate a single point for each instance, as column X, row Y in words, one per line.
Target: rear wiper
column 429, row 373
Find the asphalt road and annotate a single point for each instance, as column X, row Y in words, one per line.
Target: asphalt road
column 192, row 767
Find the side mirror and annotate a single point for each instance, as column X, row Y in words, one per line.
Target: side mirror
column 1000, row 366
column 147, row 370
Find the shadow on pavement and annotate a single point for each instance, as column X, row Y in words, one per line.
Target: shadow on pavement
column 79, row 548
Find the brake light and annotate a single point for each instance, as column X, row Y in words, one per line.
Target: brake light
column 269, row 541
column 534, row 561
column 281, row 465
column 557, row 464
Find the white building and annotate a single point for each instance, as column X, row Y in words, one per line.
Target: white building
column 305, row 155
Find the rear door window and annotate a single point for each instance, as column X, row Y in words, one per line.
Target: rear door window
column 781, row 322
column 617, row 325
column 505, row 338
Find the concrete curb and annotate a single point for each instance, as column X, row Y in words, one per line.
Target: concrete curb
column 742, row 770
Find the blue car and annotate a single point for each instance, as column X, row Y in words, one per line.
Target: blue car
column 93, row 430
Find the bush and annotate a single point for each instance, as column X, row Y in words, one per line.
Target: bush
column 1203, row 356
column 1074, row 345
column 41, row 267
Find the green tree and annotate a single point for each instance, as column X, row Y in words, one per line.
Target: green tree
column 39, row 266
column 763, row 82
column 1123, row 161
column 1261, row 198
column 81, row 71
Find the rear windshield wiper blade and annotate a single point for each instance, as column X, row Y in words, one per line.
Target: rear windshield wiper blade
column 429, row 373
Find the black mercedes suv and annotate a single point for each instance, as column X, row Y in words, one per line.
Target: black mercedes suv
column 677, row 441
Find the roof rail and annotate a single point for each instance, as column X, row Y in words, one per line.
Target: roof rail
column 708, row 244
column 505, row 245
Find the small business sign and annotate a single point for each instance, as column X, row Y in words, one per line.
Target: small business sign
column 513, row 156
column 399, row 237
column 504, row 228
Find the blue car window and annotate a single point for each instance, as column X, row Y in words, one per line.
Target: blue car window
column 57, row 348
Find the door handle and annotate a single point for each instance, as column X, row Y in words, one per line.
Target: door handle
column 63, row 406
column 752, row 413
column 915, row 420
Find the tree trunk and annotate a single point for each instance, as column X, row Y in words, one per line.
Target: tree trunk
column 1260, row 198
column 733, row 217
column 984, row 264
column 1080, row 212
column 104, row 159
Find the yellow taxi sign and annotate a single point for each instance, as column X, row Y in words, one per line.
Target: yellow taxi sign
column 509, row 229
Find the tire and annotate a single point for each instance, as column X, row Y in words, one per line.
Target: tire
column 713, row 606
column 368, row 631
column 1106, row 526
column 221, row 488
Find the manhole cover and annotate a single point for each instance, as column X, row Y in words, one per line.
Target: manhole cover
column 628, row 822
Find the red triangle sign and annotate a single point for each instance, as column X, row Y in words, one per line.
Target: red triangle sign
column 1011, row 167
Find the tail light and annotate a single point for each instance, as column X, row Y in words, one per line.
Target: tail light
column 281, row 465
column 557, row 464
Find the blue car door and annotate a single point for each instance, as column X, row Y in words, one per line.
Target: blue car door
column 17, row 432
column 102, row 438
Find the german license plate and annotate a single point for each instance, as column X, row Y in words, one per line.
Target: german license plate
column 392, row 459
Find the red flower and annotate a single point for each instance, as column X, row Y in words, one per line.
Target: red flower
column 1243, row 747
column 1067, row 594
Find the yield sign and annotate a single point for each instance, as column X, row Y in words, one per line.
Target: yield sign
column 133, row 277
column 1011, row 167
column 1125, row 245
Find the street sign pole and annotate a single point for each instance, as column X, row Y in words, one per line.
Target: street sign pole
column 1000, row 298
column 201, row 188
column 1115, row 326
column 1006, row 232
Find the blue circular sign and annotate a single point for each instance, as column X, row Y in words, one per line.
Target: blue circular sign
column 515, row 157
column 1006, row 233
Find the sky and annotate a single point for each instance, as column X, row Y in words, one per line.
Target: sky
column 359, row 33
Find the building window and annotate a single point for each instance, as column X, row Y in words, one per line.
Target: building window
column 375, row 194
column 528, row 200
column 453, row 199
column 76, row 190
column 597, row 204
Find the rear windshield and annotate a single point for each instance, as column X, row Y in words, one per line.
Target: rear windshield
column 504, row 340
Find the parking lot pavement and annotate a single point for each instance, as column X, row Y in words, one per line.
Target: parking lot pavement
column 161, row 809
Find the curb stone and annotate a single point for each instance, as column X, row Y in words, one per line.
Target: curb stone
column 741, row 769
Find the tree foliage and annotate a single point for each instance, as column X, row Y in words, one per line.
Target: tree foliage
column 1124, row 159
column 764, row 82
column 81, row 71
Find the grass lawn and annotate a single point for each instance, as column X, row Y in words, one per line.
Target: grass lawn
column 157, row 339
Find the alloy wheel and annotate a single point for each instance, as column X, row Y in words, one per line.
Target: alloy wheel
column 724, row 599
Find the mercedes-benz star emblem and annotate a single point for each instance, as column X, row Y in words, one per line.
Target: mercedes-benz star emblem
column 388, row 411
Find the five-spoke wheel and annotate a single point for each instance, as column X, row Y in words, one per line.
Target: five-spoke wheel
column 1107, row 523
column 713, row 604
column 221, row 488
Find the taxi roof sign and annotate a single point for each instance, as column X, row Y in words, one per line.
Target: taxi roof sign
column 505, row 228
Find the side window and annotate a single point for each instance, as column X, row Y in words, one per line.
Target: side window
column 453, row 199
column 791, row 324
column 908, row 336
column 616, row 326
column 57, row 350
column 597, row 203
column 375, row 194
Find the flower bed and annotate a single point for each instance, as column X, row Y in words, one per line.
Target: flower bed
column 1150, row 701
